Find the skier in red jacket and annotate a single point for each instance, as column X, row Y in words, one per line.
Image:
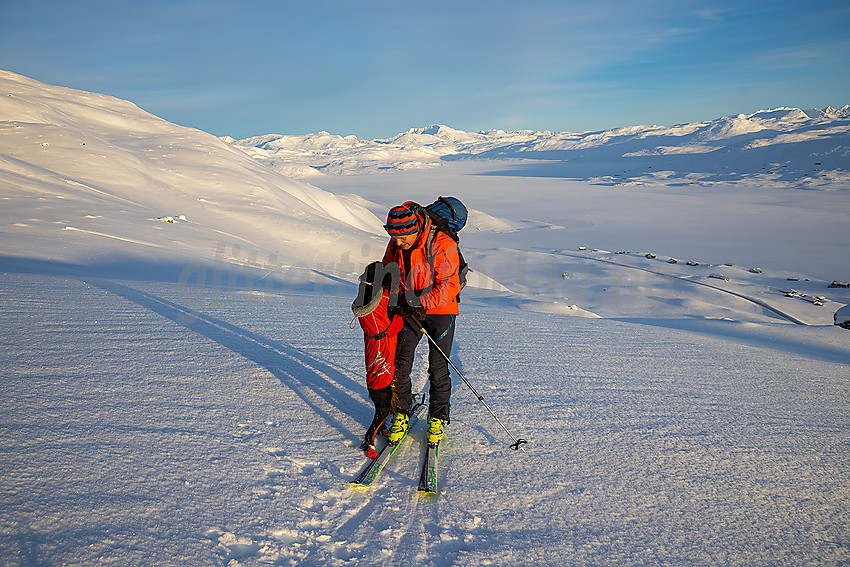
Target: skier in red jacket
column 428, row 261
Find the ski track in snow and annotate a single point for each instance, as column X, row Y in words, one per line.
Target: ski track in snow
column 148, row 424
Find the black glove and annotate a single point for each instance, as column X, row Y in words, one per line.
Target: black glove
column 417, row 313
column 413, row 309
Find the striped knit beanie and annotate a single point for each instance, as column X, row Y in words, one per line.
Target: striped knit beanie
column 402, row 221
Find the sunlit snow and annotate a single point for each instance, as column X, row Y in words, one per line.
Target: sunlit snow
column 651, row 307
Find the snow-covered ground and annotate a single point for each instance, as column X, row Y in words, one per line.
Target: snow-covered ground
column 182, row 386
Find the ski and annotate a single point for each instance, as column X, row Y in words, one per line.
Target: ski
column 428, row 478
column 374, row 468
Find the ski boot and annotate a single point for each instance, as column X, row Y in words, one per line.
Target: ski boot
column 399, row 427
column 435, row 430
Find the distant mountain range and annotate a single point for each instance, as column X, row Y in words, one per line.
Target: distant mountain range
column 803, row 148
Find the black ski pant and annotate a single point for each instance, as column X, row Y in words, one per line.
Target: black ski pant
column 441, row 328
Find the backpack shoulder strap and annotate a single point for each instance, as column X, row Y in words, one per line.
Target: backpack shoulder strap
column 429, row 241
column 429, row 245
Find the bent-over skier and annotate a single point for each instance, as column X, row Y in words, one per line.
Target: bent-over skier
column 429, row 262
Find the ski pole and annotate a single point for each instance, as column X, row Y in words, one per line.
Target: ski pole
column 518, row 443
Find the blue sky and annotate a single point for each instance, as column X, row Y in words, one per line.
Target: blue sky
column 377, row 68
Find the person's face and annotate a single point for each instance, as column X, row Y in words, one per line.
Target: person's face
column 406, row 242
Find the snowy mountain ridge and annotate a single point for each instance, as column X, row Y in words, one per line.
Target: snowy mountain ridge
column 744, row 143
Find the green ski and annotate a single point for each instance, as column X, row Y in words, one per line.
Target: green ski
column 428, row 479
column 374, row 468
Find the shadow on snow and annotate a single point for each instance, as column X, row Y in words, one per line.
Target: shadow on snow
column 306, row 375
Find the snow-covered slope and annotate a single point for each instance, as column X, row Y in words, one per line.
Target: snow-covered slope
column 89, row 176
column 134, row 434
column 797, row 148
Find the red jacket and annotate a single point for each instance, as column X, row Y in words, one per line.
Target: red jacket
column 432, row 274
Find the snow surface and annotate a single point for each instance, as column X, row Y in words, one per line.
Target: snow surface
column 182, row 386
